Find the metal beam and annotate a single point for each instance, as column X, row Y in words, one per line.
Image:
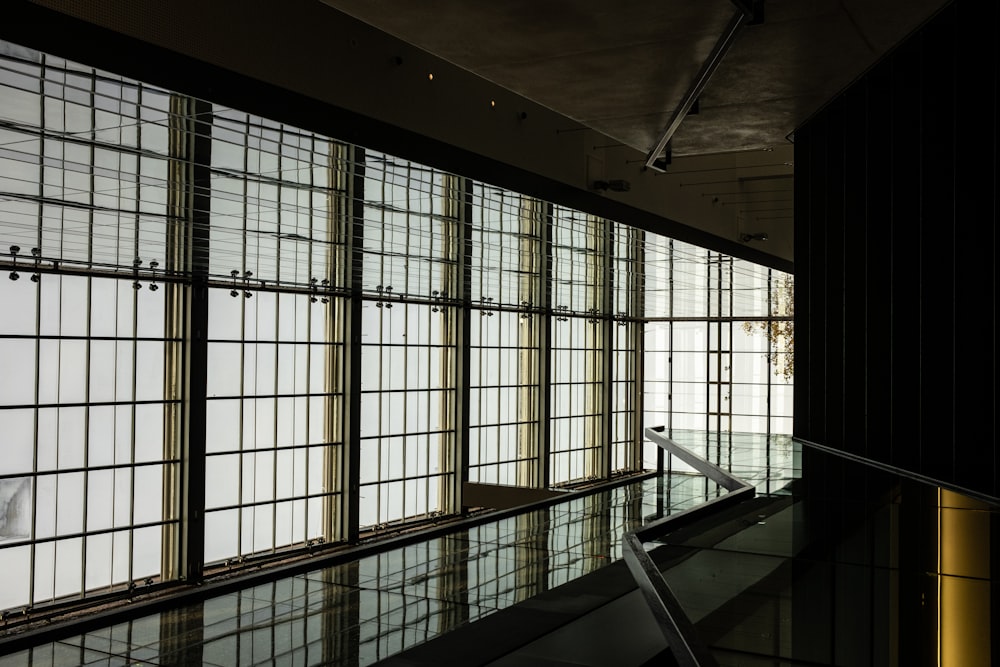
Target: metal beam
column 351, row 479
column 697, row 86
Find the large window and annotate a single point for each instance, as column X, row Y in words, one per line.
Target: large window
column 579, row 299
column 87, row 452
column 717, row 343
column 409, row 330
column 225, row 339
column 505, row 337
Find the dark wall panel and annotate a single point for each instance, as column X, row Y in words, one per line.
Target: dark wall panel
column 803, row 305
column 834, row 265
column 896, row 189
column 904, row 333
column 855, row 268
column 937, row 246
column 816, row 296
column 878, row 243
column 975, row 251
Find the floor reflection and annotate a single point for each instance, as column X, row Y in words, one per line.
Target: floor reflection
column 845, row 566
column 364, row 611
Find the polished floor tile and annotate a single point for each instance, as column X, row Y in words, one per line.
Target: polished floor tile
column 361, row 612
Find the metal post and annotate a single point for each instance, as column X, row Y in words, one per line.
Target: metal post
column 189, row 211
column 606, row 323
column 354, row 231
column 638, row 287
column 545, row 348
column 458, row 212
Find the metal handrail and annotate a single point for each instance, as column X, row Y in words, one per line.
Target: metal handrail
column 674, row 623
column 902, row 472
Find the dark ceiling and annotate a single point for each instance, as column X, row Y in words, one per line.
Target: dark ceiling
column 622, row 68
column 616, row 71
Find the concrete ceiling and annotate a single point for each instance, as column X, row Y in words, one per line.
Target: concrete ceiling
column 601, row 81
column 622, row 68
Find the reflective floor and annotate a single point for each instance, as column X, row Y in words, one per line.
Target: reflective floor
column 839, row 565
column 853, row 567
column 361, row 612
column 832, row 564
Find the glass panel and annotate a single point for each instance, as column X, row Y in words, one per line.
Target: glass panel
column 95, row 347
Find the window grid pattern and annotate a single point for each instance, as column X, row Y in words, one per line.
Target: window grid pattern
column 83, row 167
column 506, row 248
column 84, row 163
column 627, row 277
column 753, row 383
column 577, row 415
column 624, row 410
column 503, row 399
column 627, row 271
column 83, row 407
column 657, row 277
column 276, row 202
column 504, row 345
column 578, row 257
column 272, row 430
column 689, row 276
column 411, row 230
column 576, row 411
column 407, row 404
column 709, row 362
column 92, row 173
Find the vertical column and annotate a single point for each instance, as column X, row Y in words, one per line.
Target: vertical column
column 770, row 363
column 638, row 288
column 545, row 346
column 670, row 355
column 726, row 354
column 605, row 322
column 801, row 423
column 531, row 332
column 188, row 211
column 457, row 209
column 594, row 345
column 352, row 225
column 340, row 183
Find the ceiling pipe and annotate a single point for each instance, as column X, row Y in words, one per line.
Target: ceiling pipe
column 746, row 13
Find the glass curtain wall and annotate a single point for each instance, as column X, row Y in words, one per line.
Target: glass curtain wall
column 579, row 248
column 275, row 338
column 505, row 337
column 85, row 173
column 412, row 239
column 717, row 344
column 226, row 339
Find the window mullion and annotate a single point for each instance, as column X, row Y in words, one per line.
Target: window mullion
column 186, row 320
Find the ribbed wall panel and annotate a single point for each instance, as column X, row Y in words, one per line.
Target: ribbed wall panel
column 896, row 208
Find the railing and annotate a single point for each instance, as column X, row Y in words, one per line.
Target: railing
column 673, row 622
